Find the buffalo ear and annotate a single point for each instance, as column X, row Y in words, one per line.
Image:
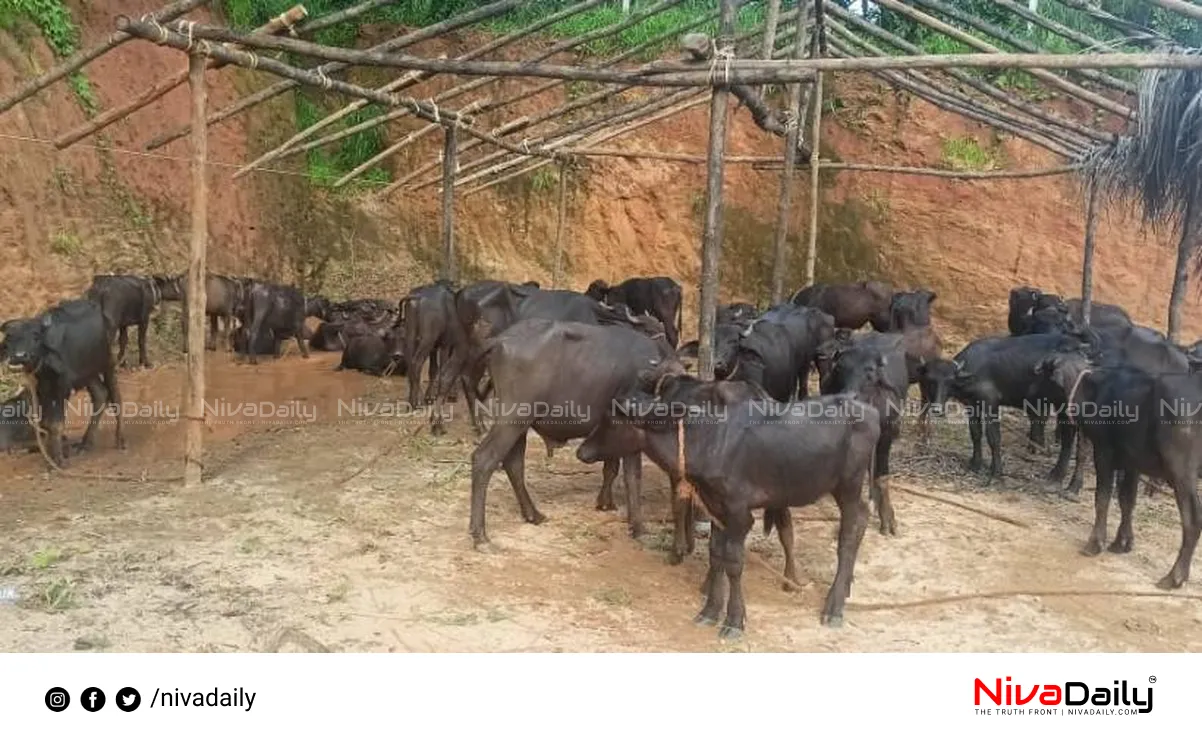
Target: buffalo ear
column 931, row 296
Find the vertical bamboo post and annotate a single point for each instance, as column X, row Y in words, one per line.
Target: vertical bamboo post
column 711, row 247
column 1091, row 224
column 196, row 296
column 779, row 256
column 771, row 20
column 815, row 137
column 449, row 168
column 560, row 225
column 1185, row 249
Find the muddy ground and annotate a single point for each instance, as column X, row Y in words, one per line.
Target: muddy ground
column 321, row 531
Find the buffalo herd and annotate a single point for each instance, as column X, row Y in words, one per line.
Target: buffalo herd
column 606, row 367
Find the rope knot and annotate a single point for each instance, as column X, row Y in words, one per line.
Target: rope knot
column 725, row 54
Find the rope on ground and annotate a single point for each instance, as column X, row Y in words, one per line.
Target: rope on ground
column 37, row 433
column 949, row 502
column 372, row 462
column 937, row 600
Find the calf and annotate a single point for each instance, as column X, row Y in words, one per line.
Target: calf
column 66, row 349
column 280, row 311
column 126, row 301
column 873, row 369
column 911, row 309
column 225, row 301
column 741, row 457
column 1000, row 372
column 427, row 315
column 267, row 344
column 546, row 377
column 851, row 305
column 658, row 296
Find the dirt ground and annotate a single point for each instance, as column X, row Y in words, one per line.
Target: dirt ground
column 349, row 534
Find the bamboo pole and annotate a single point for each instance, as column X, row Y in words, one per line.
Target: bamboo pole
column 502, row 103
column 107, row 118
column 561, row 224
column 948, row 30
column 987, row 89
column 1091, row 225
column 76, row 61
column 1133, row 32
column 1185, row 251
column 771, row 18
column 400, row 42
column 738, row 72
column 406, row 81
column 1189, row 10
column 711, row 246
column 957, row 175
column 1062, row 142
column 681, row 157
column 1022, row 45
column 1059, row 29
column 449, row 168
column 307, row 77
column 815, row 146
column 781, row 236
column 195, row 297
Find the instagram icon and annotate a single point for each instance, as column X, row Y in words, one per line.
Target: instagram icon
column 57, row 699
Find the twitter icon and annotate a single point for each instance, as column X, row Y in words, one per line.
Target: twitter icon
column 128, row 699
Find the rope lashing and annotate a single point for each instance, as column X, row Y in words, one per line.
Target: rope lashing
column 326, row 82
column 437, row 115
column 158, row 27
column 725, row 54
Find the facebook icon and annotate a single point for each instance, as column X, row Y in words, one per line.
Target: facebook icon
column 92, row 699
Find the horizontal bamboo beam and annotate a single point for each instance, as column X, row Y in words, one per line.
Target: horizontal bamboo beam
column 225, row 54
column 958, row 175
column 400, row 42
column 76, row 61
column 665, row 156
column 105, row 119
column 734, row 72
column 313, row 25
column 1189, row 10
column 1072, row 34
column 1133, row 32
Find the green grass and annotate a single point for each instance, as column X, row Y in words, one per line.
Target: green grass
column 965, row 153
column 53, row 19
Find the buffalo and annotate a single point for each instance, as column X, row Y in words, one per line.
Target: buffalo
column 851, row 305
column 126, row 301
column 658, row 296
column 281, row 311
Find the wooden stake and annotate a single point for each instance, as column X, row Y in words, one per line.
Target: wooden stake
column 449, row 167
column 815, row 140
column 79, row 59
column 560, row 226
column 771, row 18
column 165, row 86
column 196, row 298
column 1091, row 223
column 711, row 247
column 1185, row 249
column 781, row 238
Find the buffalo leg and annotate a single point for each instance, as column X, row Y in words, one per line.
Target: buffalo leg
column 632, row 477
column 714, row 579
column 51, row 411
column 211, row 341
column 974, row 434
column 879, row 487
column 416, row 365
column 114, row 396
column 1185, row 488
column 853, row 521
column 299, row 333
column 783, row 521
column 252, row 338
column 1083, row 450
column 924, row 416
column 485, row 460
column 609, row 473
column 1067, row 433
column 993, row 434
column 734, row 547
column 1105, row 472
column 100, row 398
column 1124, row 540
column 515, row 469
column 1036, row 434
column 122, row 344
column 143, row 359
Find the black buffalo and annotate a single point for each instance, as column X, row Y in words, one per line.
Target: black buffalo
column 66, row 349
column 371, row 353
column 559, row 379
column 658, row 296
column 745, row 456
column 281, row 311
column 778, row 349
column 126, row 301
column 851, row 305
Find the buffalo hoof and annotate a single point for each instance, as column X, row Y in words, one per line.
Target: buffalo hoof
column 1092, row 548
column 833, row 621
column 675, row 557
column 535, row 518
column 147, row 365
column 482, row 544
column 81, row 446
column 637, row 531
column 701, row 620
column 729, row 633
column 1170, row 581
column 975, row 465
column 1120, row 545
column 787, row 585
column 606, row 505
column 1056, row 476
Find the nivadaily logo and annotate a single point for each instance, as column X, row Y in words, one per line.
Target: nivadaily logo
column 1069, row 698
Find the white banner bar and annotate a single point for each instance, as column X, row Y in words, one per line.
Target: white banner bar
column 563, row 697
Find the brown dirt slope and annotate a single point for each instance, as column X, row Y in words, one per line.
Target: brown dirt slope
column 66, row 215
